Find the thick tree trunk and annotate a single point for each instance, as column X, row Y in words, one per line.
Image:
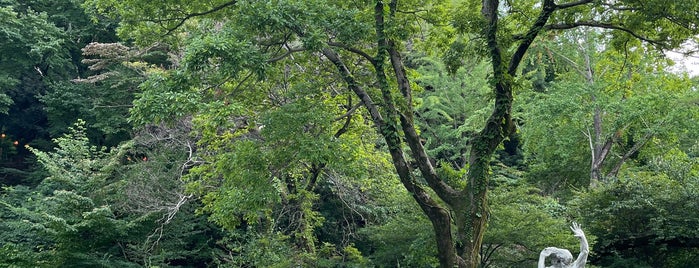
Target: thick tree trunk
column 438, row 215
column 469, row 206
column 498, row 126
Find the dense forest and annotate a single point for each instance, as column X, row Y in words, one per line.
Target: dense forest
column 328, row 133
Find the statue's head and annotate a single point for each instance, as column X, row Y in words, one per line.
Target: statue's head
column 560, row 257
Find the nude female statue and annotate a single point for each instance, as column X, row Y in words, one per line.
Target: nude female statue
column 561, row 258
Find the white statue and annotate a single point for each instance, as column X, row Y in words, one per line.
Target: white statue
column 561, row 258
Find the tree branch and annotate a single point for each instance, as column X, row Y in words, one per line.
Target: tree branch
column 573, row 4
column 595, row 24
column 315, row 171
column 354, row 50
column 288, row 52
column 349, row 112
column 570, row 61
column 412, row 138
column 354, row 86
column 436, row 213
column 637, row 146
column 197, row 14
column 347, row 116
column 433, row 209
column 546, row 11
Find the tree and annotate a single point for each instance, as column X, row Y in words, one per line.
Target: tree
column 33, row 53
column 646, row 216
column 366, row 45
column 125, row 207
column 40, row 43
column 26, row 51
column 508, row 242
column 68, row 206
column 610, row 105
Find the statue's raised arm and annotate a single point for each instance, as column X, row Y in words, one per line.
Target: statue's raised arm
column 584, row 247
column 561, row 258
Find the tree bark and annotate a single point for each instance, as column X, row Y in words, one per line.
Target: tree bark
column 469, row 205
column 438, row 215
column 599, row 148
column 637, row 146
column 498, row 126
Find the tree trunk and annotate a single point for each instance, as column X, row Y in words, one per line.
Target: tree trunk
column 469, row 206
column 599, row 148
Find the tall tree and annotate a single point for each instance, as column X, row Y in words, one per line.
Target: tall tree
column 366, row 44
column 610, row 103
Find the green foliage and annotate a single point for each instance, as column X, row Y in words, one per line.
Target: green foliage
column 264, row 168
column 632, row 95
column 5, row 102
column 86, row 214
column 255, row 250
column 646, row 215
column 162, row 100
column 22, row 245
column 280, row 144
column 405, row 239
column 40, row 43
column 103, row 98
column 264, row 145
column 34, row 54
column 29, row 40
column 523, row 222
column 66, row 208
column 450, row 109
column 217, row 56
column 164, row 16
column 548, row 140
column 75, row 164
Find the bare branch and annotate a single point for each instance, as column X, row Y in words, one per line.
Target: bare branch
column 570, row 61
column 637, row 146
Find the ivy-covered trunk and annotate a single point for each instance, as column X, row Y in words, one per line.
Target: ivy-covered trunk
column 394, row 121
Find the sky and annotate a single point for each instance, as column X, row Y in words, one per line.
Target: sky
column 690, row 64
